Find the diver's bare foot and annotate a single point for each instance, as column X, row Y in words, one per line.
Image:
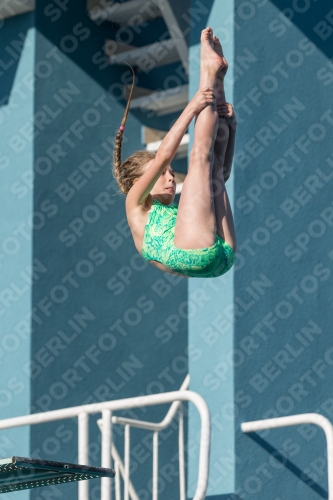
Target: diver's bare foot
column 219, row 51
column 211, row 61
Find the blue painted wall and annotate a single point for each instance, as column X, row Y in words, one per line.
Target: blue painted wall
column 106, row 324
column 283, row 274
column 17, row 36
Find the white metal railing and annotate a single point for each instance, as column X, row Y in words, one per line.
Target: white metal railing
column 305, row 418
column 129, row 491
column 106, row 408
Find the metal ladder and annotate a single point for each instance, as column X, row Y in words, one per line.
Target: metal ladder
column 160, row 53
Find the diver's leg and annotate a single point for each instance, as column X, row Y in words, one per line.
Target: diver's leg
column 196, row 222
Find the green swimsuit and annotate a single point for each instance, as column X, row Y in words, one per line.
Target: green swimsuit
column 158, row 244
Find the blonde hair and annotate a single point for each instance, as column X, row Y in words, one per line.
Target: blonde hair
column 132, row 168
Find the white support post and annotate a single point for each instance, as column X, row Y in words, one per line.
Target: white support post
column 155, row 466
column 126, row 461
column 116, row 459
column 181, row 454
column 83, row 440
column 117, row 480
column 106, row 453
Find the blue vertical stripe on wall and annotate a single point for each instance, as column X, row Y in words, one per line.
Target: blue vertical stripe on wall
column 211, row 322
column 16, row 168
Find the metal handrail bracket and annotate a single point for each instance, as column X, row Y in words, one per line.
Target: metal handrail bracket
column 304, row 418
column 152, row 426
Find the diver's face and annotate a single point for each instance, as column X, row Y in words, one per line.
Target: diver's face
column 164, row 189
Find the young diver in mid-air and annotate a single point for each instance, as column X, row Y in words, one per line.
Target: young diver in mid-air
column 196, row 238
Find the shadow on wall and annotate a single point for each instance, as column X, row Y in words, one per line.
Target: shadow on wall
column 318, row 26
column 193, row 19
column 288, row 464
column 13, row 33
